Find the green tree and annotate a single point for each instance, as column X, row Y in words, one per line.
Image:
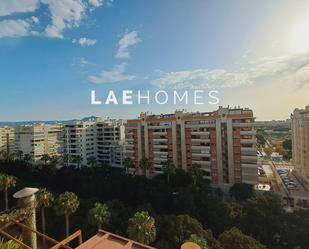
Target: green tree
column 78, row 160
column 9, row 245
column 66, row 204
column 92, row 161
column 99, row 215
column 142, row 228
column 128, row 164
column 196, row 173
column 175, row 230
column 27, row 158
column 44, row 200
column 198, row 240
column 235, row 239
column 45, row 158
column 19, row 155
column 66, row 159
column 144, row 164
column 6, row 182
column 287, row 144
column 261, row 137
column 168, row 167
column 241, row 191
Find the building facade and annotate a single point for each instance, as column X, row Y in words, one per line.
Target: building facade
column 222, row 143
column 39, row 139
column 7, row 139
column 300, row 143
column 94, row 140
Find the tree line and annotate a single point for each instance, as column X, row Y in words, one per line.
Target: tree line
column 165, row 211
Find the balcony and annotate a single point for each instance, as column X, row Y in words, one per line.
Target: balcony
column 252, row 133
column 249, row 159
column 248, row 141
column 207, row 163
column 160, row 146
column 249, row 166
column 200, row 140
column 201, row 147
column 199, row 125
column 195, row 154
column 205, row 133
column 160, row 153
column 243, row 124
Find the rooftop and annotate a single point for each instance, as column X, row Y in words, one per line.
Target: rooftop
column 106, row 240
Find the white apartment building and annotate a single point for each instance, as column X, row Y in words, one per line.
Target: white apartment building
column 80, row 141
column 39, row 139
column 110, row 141
column 222, row 142
column 7, row 139
column 99, row 139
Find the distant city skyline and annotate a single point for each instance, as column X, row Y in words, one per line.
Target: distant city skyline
column 54, row 53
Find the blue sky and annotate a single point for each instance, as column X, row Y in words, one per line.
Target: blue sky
column 53, row 53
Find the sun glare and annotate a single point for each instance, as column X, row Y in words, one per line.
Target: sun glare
column 300, row 37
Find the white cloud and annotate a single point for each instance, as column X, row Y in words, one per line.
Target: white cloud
column 65, row 14
column 96, row 3
column 14, row 28
column 112, row 76
column 124, row 44
column 294, row 68
column 85, row 41
column 201, row 78
column 35, row 19
column 8, row 7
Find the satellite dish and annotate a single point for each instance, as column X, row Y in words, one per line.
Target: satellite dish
column 190, row 245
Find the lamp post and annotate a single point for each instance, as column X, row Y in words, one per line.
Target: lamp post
column 26, row 200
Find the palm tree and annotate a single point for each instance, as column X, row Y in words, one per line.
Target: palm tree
column 142, row 228
column 19, row 154
column 168, row 167
column 196, row 173
column 44, row 200
column 6, row 156
column 144, row 164
column 45, row 158
column 128, row 164
column 198, row 240
column 6, row 182
column 91, row 161
column 66, row 204
column 99, row 215
column 78, row 160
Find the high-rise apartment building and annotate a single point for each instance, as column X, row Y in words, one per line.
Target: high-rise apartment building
column 7, row 139
column 110, row 141
column 80, row 141
column 96, row 139
column 222, row 143
column 38, row 140
column 300, row 143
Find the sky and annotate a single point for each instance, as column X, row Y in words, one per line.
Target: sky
column 254, row 53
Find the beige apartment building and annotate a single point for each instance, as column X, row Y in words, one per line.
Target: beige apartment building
column 39, row 139
column 222, row 142
column 300, row 143
column 7, row 139
column 99, row 139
